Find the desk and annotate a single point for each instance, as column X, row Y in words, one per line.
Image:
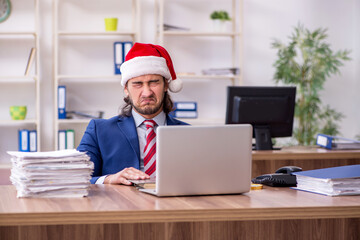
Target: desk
column 307, row 158
column 121, row 212
column 269, row 161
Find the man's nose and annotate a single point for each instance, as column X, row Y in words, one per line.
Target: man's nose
column 147, row 90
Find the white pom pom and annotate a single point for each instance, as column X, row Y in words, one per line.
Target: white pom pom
column 176, row 85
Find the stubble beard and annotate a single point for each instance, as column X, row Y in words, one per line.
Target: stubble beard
column 147, row 109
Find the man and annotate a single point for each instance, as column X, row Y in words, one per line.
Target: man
column 123, row 147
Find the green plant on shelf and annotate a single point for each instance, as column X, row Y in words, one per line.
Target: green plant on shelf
column 306, row 62
column 220, row 15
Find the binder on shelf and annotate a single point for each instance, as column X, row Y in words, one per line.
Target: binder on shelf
column 336, row 143
column 127, row 47
column 120, row 51
column 62, row 102
column 24, row 140
column 62, row 139
column 70, row 139
column 183, row 114
column 185, row 106
column 185, row 110
column 33, row 141
column 30, row 61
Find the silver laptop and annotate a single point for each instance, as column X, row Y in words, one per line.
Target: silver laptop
column 202, row 160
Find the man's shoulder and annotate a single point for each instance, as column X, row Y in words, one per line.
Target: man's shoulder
column 110, row 121
column 174, row 121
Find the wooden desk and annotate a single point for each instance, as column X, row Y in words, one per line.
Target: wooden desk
column 307, row 158
column 269, row 161
column 121, row 212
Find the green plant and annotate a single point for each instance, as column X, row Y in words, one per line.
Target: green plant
column 221, row 15
column 306, row 62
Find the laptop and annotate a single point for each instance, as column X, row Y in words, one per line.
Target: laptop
column 202, row 160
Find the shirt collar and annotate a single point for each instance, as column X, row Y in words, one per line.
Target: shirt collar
column 160, row 119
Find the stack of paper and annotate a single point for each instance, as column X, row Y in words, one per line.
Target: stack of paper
column 63, row 173
column 335, row 181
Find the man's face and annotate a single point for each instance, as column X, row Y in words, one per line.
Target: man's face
column 146, row 94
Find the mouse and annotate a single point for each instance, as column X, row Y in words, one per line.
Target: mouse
column 288, row 169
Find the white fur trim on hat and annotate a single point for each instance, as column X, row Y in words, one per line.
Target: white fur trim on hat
column 139, row 66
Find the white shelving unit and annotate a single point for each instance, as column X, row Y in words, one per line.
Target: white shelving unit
column 80, row 36
column 18, row 34
column 204, row 40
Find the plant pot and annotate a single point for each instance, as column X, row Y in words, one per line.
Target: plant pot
column 220, row 25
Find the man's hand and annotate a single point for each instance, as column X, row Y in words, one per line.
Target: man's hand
column 124, row 175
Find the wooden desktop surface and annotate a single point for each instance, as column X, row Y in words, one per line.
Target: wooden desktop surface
column 112, row 212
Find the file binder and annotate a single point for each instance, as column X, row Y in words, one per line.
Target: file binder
column 120, row 51
column 333, row 142
column 62, row 139
column 62, row 102
column 183, row 114
column 127, row 47
column 186, row 106
column 33, row 141
column 334, row 181
column 70, row 139
column 118, row 56
column 24, row 140
column 185, row 110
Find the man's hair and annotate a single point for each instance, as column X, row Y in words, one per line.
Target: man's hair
column 167, row 104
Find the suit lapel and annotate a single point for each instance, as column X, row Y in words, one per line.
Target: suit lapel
column 128, row 128
column 171, row 121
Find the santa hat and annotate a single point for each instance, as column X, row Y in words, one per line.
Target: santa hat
column 145, row 59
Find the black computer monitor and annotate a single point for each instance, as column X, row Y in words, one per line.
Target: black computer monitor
column 270, row 110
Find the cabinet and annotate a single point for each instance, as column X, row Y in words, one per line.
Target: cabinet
column 84, row 57
column 18, row 35
column 201, row 47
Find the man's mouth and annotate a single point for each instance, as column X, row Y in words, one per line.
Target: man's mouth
column 147, row 100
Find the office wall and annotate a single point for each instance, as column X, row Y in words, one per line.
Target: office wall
column 263, row 21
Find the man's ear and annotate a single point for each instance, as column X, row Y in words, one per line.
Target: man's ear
column 166, row 85
column 126, row 90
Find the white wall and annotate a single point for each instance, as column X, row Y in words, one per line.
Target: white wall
column 263, row 21
column 266, row 20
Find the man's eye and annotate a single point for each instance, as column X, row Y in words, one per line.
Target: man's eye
column 137, row 84
column 154, row 83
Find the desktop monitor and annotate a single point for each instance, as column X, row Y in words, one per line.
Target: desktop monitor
column 270, row 110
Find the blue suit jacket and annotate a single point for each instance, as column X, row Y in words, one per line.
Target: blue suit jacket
column 113, row 144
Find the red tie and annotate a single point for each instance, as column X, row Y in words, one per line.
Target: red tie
column 150, row 148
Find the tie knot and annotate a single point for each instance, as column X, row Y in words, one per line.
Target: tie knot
column 149, row 123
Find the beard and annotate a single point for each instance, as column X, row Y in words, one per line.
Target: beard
column 147, row 109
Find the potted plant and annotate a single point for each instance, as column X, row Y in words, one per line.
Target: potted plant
column 306, row 62
column 219, row 19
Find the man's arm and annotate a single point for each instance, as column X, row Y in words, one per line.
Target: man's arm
column 89, row 144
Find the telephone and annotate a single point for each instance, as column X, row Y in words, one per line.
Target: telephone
column 281, row 178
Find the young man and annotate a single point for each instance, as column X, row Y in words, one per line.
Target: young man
column 123, row 147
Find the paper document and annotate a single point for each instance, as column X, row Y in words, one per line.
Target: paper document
column 64, row 173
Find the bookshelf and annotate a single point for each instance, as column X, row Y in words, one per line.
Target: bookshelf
column 18, row 35
column 79, row 37
column 207, row 44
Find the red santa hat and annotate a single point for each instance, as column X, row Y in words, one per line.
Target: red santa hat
column 145, row 59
